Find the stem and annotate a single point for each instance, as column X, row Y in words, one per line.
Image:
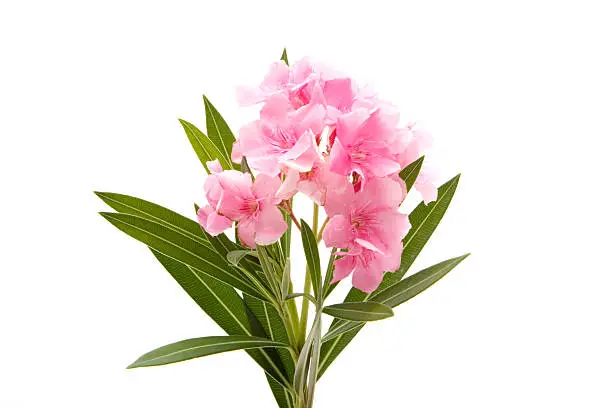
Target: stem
column 307, row 283
column 320, row 234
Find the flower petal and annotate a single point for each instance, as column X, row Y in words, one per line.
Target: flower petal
column 269, row 225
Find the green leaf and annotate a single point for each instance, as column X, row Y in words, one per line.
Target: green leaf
column 359, row 311
column 408, row 288
column 273, row 328
column 328, row 287
column 284, row 56
column 204, row 147
column 424, row 220
column 181, row 247
column 286, row 281
column 225, row 307
column 402, row 291
column 410, row 173
column 234, row 257
column 312, row 258
column 219, row 132
column 306, row 295
column 281, row 394
column 200, row 347
column 145, row 209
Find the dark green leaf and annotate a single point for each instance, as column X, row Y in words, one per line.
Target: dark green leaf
column 359, row 311
column 219, row 132
column 409, row 173
column 312, row 258
column 180, row 247
column 408, row 288
column 286, row 281
column 284, row 56
column 200, row 347
column 402, row 291
column 145, row 209
column 204, row 147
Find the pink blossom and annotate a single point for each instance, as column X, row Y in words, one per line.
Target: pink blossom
column 362, row 145
column 282, row 137
column 233, row 196
column 424, row 185
column 366, row 266
column 294, row 82
column 314, row 183
column 370, row 225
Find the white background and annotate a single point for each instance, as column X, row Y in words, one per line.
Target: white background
column 517, row 95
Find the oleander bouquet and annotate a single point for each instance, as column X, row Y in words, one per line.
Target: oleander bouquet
column 336, row 143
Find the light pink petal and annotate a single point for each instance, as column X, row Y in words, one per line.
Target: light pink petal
column 367, row 277
column 246, row 232
column 289, row 186
column 213, row 190
column 310, row 117
column 340, row 161
column 269, row 225
column 371, row 245
column 339, row 202
column 277, row 76
column 343, row 267
column 339, row 93
column 237, row 152
column 338, row 232
column 276, row 109
column 382, row 193
column 234, row 206
column 203, row 214
column 214, row 166
column 217, row 223
column 303, row 154
column 381, row 166
column 348, row 125
column 265, row 187
column 236, row 182
column 249, row 96
column 301, row 70
column 428, row 191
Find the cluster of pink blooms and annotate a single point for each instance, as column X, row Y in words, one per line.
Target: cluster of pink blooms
column 321, row 135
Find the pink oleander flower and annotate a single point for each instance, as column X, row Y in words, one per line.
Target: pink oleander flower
column 314, row 183
column 362, row 145
column 366, row 266
column 233, row 196
column 282, row 137
column 293, row 82
column 369, row 224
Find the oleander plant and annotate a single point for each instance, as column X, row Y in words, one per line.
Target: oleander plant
column 319, row 137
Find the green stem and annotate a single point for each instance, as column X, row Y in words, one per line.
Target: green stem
column 307, row 283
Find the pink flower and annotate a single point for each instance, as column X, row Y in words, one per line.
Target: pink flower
column 233, row 196
column 362, row 145
column 370, row 225
column 315, row 183
column 294, row 82
column 366, row 266
column 282, row 137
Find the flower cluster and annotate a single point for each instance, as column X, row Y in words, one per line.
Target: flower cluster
column 320, row 134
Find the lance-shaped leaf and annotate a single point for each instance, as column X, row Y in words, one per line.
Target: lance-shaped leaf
column 225, row 307
column 408, row 288
column 204, row 147
column 312, row 258
column 145, row 209
column 410, row 173
column 219, row 132
column 423, row 220
column 180, row 247
column 402, row 291
column 359, row 311
column 200, row 347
